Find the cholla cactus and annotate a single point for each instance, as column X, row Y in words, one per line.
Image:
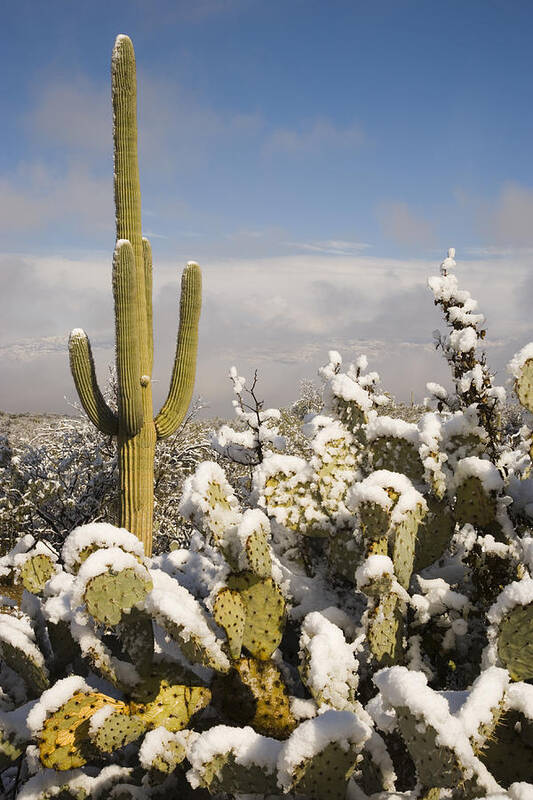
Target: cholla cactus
column 134, row 425
column 473, row 382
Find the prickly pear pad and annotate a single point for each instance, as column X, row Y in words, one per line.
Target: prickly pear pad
column 111, row 728
column 109, row 583
column 234, row 759
column 229, row 611
column 511, row 631
column 167, row 698
column 265, row 613
column 181, row 615
column 86, row 539
column 254, row 693
column 36, row 571
column 321, row 754
column 64, row 738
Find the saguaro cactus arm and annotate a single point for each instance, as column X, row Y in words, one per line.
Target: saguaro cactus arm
column 183, row 373
column 127, row 339
column 84, row 374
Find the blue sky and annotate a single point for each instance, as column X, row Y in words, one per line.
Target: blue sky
column 316, row 157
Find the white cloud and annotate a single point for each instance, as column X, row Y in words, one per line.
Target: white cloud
column 280, row 314
column 35, row 197
column 320, row 134
column 334, row 247
column 509, row 221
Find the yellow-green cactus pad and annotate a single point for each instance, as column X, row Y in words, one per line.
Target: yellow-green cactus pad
column 35, row 571
column 258, row 554
column 110, row 729
column 209, row 502
column 64, row 740
column 345, row 551
column 167, row 698
column 254, row 693
column 10, row 749
column 229, row 611
column 109, row 583
column 402, row 545
column 265, row 613
column 108, row 596
column 436, row 740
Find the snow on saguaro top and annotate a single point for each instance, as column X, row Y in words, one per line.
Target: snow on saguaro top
column 395, row 428
column 401, row 687
column 373, row 489
column 247, row 747
column 517, row 362
column 474, row 467
column 52, row 699
column 98, row 534
column 314, row 735
column 78, row 333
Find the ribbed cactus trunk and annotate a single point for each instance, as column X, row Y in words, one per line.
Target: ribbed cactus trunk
column 136, row 434
column 134, row 426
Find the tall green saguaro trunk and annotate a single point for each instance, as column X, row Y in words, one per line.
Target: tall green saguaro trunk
column 136, row 434
column 134, row 425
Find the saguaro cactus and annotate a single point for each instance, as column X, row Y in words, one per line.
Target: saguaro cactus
column 134, row 426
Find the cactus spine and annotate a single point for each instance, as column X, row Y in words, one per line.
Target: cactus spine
column 134, row 426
